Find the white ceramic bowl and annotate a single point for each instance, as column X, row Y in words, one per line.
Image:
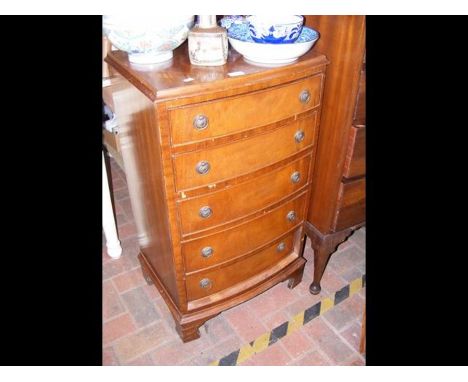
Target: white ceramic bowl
column 148, row 39
column 271, row 54
column 275, row 29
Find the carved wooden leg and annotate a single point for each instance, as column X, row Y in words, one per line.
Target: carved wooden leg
column 322, row 254
column 323, row 246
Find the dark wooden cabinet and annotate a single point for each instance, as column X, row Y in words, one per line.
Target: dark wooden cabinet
column 337, row 205
column 219, row 165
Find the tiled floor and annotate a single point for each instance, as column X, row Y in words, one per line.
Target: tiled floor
column 139, row 330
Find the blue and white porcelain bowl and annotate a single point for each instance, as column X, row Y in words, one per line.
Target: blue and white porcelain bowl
column 275, row 29
column 270, row 54
column 148, row 39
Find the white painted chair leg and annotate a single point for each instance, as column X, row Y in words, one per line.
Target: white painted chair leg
column 114, row 249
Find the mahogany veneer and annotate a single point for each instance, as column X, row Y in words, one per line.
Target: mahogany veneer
column 337, row 205
column 219, row 166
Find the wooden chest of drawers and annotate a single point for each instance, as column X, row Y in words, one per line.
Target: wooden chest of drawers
column 219, row 166
column 337, row 205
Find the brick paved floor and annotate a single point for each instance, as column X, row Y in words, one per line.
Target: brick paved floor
column 139, row 330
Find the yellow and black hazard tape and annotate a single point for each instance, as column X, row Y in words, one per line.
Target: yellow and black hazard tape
column 288, row 327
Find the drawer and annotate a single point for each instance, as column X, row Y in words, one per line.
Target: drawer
column 351, row 205
column 212, row 165
column 355, row 163
column 211, row 281
column 244, row 198
column 233, row 114
column 239, row 240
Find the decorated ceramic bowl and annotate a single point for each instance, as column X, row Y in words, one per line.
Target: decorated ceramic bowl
column 148, row 39
column 275, row 29
column 271, row 54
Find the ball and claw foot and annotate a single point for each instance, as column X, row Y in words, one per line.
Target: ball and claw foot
column 315, row 288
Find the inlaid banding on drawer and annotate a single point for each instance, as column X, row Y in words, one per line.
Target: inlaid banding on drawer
column 241, row 239
column 211, row 281
column 243, row 156
column 234, row 114
column 245, row 198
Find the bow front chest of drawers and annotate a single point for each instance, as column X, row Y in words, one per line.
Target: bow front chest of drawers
column 219, row 163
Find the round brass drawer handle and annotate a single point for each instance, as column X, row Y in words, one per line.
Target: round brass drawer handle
column 203, row 167
column 304, row 97
column 299, row 136
column 281, row 247
column 291, row 216
column 295, row 177
column 205, row 212
column 200, row 122
column 207, row 252
column 205, row 283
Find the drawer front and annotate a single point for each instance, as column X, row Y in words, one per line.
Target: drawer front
column 234, row 114
column 239, row 240
column 211, row 281
column 355, row 164
column 200, row 168
column 245, row 198
column 352, row 204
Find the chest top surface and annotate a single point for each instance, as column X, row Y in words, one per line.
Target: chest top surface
column 178, row 77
